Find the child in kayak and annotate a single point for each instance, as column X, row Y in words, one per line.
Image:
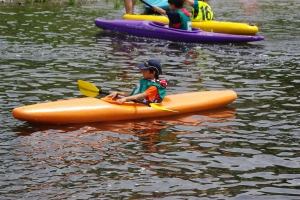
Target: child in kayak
column 149, row 89
column 201, row 10
column 178, row 17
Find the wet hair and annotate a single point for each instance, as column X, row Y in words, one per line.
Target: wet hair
column 177, row 3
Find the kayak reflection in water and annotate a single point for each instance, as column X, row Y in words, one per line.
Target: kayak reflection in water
column 149, row 89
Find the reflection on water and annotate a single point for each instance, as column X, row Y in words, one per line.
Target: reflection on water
column 198, row 154
column 150, row 131
column 247, row 151
column 128, row 43
column 117, row 154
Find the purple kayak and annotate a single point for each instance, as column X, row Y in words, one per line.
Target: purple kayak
column 157, row 30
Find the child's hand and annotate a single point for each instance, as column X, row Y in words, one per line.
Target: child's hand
column 121, row 101
column 113, row 95
column 154, row 8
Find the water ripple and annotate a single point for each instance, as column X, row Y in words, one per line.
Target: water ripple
column 248, row 150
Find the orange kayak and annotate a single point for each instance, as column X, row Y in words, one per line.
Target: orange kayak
column 83, row 110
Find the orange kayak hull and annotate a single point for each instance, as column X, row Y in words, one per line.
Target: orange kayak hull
column 83, row 110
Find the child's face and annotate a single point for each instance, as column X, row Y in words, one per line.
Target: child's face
column 147, row 74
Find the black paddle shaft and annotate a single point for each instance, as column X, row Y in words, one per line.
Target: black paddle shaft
column 104, row 92
column 146, row 4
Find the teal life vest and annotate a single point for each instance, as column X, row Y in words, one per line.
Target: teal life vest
column 144, row 84
column 202, row 11
column 185, row 22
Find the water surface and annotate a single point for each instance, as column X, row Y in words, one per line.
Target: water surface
column 248, row 150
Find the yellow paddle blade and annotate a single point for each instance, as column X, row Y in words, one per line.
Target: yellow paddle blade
column 152, row 105
column 88, row 89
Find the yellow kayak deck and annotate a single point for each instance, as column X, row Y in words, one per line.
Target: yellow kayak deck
column 235, row 28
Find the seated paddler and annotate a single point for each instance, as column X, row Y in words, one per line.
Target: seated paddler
column 179, row 18
column 150, row 88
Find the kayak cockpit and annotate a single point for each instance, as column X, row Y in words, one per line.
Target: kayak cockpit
column 130, row 103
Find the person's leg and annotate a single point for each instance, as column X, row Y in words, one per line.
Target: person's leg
column 129, row 6
column 133, row 4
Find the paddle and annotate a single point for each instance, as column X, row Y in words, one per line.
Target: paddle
column 147, row 4
column 90, row 90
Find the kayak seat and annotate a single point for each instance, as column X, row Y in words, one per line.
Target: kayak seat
column 161, row 25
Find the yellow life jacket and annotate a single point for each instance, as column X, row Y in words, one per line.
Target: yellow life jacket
column 202, row 11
